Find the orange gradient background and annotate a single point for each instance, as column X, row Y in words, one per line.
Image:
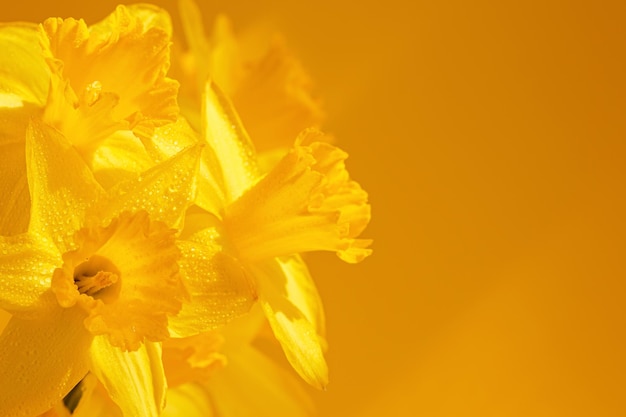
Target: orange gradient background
column 491, row 138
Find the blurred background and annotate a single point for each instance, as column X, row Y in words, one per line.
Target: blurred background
column 491, row 138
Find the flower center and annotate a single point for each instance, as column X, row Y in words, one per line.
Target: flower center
column 96, row 275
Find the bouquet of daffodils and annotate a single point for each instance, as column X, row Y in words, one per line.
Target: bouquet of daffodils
column 152, row 221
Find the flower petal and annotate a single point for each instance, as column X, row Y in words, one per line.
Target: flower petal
column 26, row 267
column 24, row 75
column 61, row 185
column 41, row 361
column 274, row 99
column 151, row 16
column 15, row 203
column 225, row 134
column 134, row 380
column 121, row 156
column 171, row 139
column 219, row 287
column 189, row 400
column 253, row 385
column 165, row 191
column 298, row 336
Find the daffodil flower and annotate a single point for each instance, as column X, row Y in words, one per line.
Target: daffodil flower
column 269, row 88
column 103, row 86
column 99, row 279
column 306, row 203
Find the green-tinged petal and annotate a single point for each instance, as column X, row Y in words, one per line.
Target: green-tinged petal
column 61, row 185
column 297, row 335
column 24, row 75
column 15, row 203
column 225, row 134
column 26, row 267
column 121, row 156
column 171, row 139
column 189, row 400
column 134, row 380
column 165, row 191
column 41, row 361
column 219, row 287
column 252, row 385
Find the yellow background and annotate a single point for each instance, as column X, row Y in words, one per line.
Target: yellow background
column 491, row 137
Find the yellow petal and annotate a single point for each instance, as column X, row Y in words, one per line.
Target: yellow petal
column 225, row 134
column 298, row 336
column 15, row 203
column 41, row 361
column 150, row 16
column 119, row 157
column 219, row 287
column 192, row 358
column 165, row 191
column 61, row 185
column 274, row 100
column 24, row 75
column 301, row 291
column 26, row 266
column 307, row 202
column 134, row 380
column 253, row 385
column 191, row 18
column 171, row 139
column 189, row 400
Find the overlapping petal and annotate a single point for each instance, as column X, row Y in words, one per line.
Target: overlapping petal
column 219, row 289
column 56, row 346
column 298, row 336
column 134, row 380
column 61, row 185
column 26, row 266
column 24, row 75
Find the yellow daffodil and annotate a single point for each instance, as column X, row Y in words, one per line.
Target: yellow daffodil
column 104, row 87
column 306, row 203
column 99, row 278
column 269, row 88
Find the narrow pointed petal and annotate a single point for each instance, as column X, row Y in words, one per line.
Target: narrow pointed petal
column 302, row 292
column 253, row 385
column 41, row 361
column 134, row 380
column 226, row 136
column 199, row 47
column 165, row 191
column 15, row 203
column 26, row 267
column 298, row 336
column 119, row 157
column 24, row 75
column 169, row 140
column 189, row 400
column 219, row 287
column 61, row 185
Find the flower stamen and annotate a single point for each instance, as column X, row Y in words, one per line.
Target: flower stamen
column 94, row 275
